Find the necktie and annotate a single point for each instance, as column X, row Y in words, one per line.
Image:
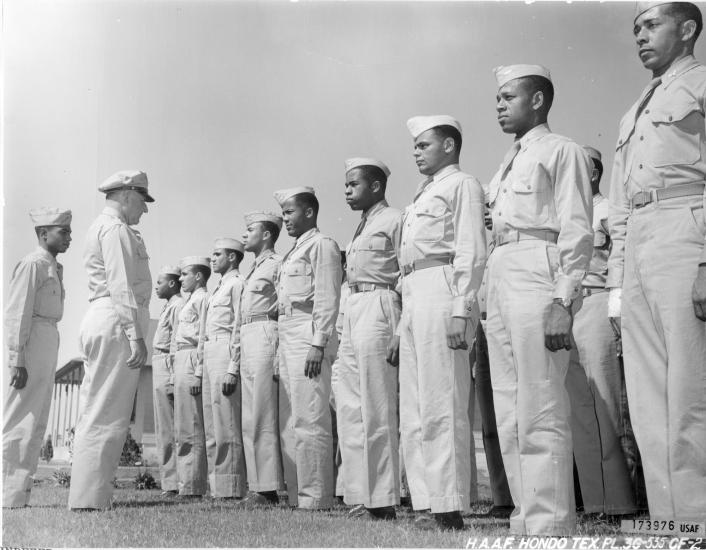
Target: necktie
column 510, row 156
column 360, row 227
column 648, row 95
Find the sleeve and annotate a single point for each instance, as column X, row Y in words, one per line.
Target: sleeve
column 19, row 310
column 469, row 245
column 574, row 209
column 236, row 297
column 203, row 312
column 119, row 260
column 174, row 324
column 617, row 222
column 326, row 264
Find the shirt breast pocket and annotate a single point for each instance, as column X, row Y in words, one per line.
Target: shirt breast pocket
column 259, row 286
column 188, row 316
column 299, row 279
column 222, row 300
column 374, row 244
column 678, row 129
column 530, row 200
column 49, row 299
column 431, row 216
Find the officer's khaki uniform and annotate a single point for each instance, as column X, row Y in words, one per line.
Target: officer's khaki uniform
column 542, row 214
column 162, row 377
column 119, row 289
column 656, row 252
column 258, row 350
column 339, row 477
column 34, row 306
column 594, row 383
column 442, row 256
column 220, row 344
column 366, row 405
column 191, row 461
column 309, row 286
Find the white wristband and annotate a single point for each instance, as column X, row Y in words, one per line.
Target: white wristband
column 614, row 302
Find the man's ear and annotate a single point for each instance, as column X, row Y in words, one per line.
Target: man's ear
column 688, row 30
column 309, row 212
column 449, row 145
column 537, row 100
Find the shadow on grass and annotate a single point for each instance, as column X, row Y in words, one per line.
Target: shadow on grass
column 147, row 503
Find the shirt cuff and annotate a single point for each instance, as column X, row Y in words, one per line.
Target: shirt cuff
column 567, row 288
column 233, row 369
column 319, row 339
column 462, row 307
column 131, row 332
column 702, row 259
column 198, row 370
column 15, row 359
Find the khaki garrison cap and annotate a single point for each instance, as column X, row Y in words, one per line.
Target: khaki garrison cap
column 419, row 124
column 127, row 179
column 194, row 260
column 43, row 217
column 506, row 73
column 262, row 216
column 170, row 270
column 228, row 244
column 364, row 161
column 284, row 194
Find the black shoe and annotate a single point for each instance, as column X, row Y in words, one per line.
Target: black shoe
column 406, row 502
column 384, row 513
column 446, row 521
column 500, row 512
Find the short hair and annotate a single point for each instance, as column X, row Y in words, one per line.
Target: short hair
column 445, row 131
column 685, row 11
column 238, row 253
column 307, row 200
column 172, row 277
column 272, row 227
column 374, row 173
column 598, row 165
column 205, row 271
column 535, row 83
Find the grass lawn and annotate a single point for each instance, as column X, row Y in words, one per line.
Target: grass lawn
column 145, row 519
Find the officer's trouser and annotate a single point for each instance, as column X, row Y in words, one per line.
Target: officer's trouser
column 304, row 414
column 222, row 423
column 26, row 413
column 664, row 347
column 258, row 349
column 594, row 383
column 164, row 422
column 105, row 402
column 191, row 462
column 491, row 445
column 531, row 402
column 338, row 475
column 367, row 400
column 435, row 386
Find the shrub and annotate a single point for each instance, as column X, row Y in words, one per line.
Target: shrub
column 131, row 452
column 47, row 450
column 145, row 480
column 62, row 478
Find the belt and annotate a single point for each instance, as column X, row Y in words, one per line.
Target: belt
column 140, row 304
column 158, row 351
column 369, row 287
column 217, row 337
column 590, row 291
column 516, row 235
column 247, row 319
column 287, row 311
column 181, row 347
column 424, row 263
column 643, row 198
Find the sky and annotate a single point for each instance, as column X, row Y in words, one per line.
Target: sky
column 222, row 103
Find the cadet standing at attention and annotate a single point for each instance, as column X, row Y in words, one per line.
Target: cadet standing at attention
column 258, row 354
column 540, row 200
column 219, row 352
column 594, row 380
column 367, row 384
column 442, row 256
column 308, row 292
column 35, row 304
column 658, row 259
column 112, row 337
column 191, row 461
column 168, row 288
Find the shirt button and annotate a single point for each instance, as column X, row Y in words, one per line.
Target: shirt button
column 642, row 137
column 670, row 118
column 647, row 111
column 641, row 167
column 500, row 213
column 504, row 190
column 620, row 141
column 529, row 187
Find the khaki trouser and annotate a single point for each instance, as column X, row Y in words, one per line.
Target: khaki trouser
column 664, row 347
column 304, row 415
column 164, row 422
column 191, row 461
column 26, row 413
column 435, row 386
column 594, row 383
column 105, row 402
column 367, row 400
column 258, row 348
column 222, row 424
column 531, row 403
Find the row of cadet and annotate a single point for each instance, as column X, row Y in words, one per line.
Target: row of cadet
column 251, row 366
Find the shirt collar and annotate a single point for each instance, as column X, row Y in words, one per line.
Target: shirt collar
column 445, row 171
column 534, row 134
column 110, row 211
column 375, row 209
column 678, row 68
column 174, row 298
column 306, row 236
column 46, row 254
column 230, row 274
column 263, row 256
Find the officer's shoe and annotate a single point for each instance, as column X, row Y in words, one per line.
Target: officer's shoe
column 446, row 521
column 500, row 512
column 357, row 511
column 384, row 513
column 259, row 500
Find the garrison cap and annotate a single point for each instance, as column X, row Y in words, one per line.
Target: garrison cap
column 229, row 244
column 506, row 73
column 642, row 7
column 43, row 217
column 363, row 161
column 593, row 153
column 420, row 124
column 127, row 179
column 284, row 194
column 170, row 270
column 186, row 261
column 262, row 216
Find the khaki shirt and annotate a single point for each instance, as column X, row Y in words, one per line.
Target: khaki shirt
column 166, row 325
column 220, row 320
column 189, row 323
column 310, row 280
column 36, row 295
column 118, row 266
column 446, row 218
column 372, row 256
column 260, row 294
column 664, row 147
column 548, row 187
column 598, row 269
